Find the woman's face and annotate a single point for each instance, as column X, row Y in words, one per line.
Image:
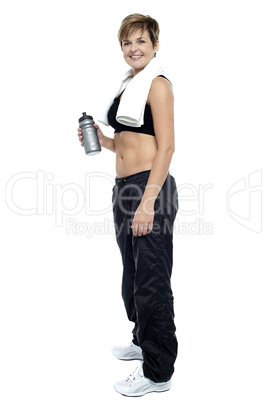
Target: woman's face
column 138, row 50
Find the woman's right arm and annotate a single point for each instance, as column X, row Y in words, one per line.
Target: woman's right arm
column 105, row 142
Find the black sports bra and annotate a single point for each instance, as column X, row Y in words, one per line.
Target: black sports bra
column 146, row 128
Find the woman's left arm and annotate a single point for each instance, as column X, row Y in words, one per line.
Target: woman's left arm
column 161, row 101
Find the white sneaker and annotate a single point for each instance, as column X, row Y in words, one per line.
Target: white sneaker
column 137, row 385
column 128, row 352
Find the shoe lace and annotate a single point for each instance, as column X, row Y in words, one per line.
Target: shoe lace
column 136, row 375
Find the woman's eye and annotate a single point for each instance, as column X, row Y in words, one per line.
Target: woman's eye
column 126, row 44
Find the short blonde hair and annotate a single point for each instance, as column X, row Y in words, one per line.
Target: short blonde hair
column 138, row 21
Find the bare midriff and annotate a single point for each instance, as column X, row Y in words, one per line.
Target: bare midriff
column 135, row 152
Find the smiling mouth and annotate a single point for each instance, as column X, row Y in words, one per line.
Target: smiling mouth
column 136, row 57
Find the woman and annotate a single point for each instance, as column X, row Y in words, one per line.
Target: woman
column 144, row 206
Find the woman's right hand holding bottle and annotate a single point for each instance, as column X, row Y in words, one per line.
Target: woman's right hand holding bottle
column 99, row 133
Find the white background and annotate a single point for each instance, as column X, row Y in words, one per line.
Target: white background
column 61, row 309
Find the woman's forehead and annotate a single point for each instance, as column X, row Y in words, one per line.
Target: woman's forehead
column 137, row 34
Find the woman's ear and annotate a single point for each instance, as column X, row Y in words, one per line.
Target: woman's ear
column 156, row 48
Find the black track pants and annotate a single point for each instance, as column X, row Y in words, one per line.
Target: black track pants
column 147, row 267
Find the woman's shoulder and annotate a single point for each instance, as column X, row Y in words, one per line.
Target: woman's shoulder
column 160, row 86
column 164, row 77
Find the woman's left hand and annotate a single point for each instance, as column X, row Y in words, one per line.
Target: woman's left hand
column 143, row 221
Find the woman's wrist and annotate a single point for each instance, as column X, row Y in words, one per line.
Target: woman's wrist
column 147, row 204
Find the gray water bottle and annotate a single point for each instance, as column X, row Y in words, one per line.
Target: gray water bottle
column 90, row 137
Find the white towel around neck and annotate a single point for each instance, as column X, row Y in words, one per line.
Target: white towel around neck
column 132, row 105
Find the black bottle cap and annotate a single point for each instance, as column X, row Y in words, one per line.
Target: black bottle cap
column 84, row 117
